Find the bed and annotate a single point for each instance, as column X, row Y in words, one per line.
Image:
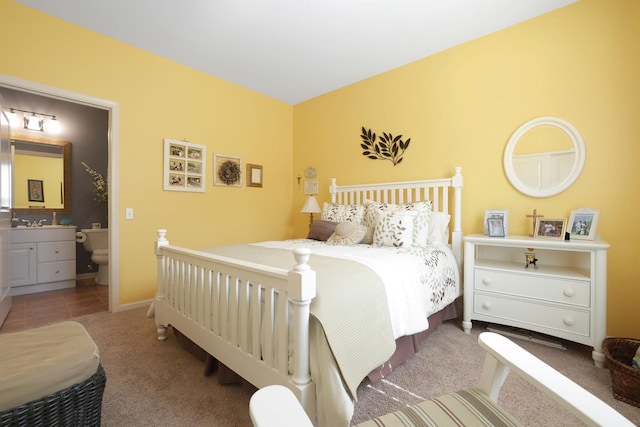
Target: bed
column 319, row 316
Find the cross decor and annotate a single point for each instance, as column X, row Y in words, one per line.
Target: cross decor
column 534, row 217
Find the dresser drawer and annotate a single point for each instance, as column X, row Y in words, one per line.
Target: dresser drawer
column 56, row 251
column 546, row 318
column 566, row 291
column 55, row 271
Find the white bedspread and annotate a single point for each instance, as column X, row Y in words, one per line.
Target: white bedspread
column 420, row 281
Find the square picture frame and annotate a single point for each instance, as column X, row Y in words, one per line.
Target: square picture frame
column 496, row 213
column 36, row 190
column 583, row 224
column 311, row 186
column 550, row 228
column 495, row 226
column 254, row 175
column 227, row 170
column 184, row 166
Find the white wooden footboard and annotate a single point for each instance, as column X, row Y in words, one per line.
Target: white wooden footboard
column 241, row 313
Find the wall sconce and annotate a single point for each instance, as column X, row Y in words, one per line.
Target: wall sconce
column 33, row 120
column 311, row 206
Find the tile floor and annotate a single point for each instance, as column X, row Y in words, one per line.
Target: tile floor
column 32, row 310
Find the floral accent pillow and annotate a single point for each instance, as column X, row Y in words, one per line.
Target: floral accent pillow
column 421, row 221
column 342, row 213
column 394, row 228
column 347, row 234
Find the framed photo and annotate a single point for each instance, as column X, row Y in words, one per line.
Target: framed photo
column 36, row 190
column 583, row 223
column 496, row 227
column 550, row 228
column 254, row 175
column 311, row 186
column 227, row 170
column 496, row 213
column 184, row 166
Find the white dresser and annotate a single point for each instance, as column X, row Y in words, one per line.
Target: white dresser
column 565, row 297
column 42, row 259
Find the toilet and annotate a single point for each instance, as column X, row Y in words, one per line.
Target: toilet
column 96, row 241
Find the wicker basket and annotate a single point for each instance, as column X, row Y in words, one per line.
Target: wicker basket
column 625, row 380
column 78, row 405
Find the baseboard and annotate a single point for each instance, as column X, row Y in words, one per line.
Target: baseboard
column 137, row 304
column 83, row 276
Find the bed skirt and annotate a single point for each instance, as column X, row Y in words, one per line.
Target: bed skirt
column 406, row 348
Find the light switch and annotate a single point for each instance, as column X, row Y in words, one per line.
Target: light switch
column 128, row 213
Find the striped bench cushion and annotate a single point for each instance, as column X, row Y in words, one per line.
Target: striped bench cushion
column 468, row 407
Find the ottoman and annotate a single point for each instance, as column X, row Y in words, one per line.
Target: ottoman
column 50, row 376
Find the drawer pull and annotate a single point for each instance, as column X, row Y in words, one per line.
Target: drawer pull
column 569, row 292
column 486, row 305
column 57, row 252
column 486, row 281
column 568, row 320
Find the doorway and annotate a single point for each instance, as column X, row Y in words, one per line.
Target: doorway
column 113, row 142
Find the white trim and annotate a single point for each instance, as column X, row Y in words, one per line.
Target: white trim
column 114, row 139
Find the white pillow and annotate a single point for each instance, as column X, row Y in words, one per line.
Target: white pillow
column 394, row 228
column 438, row 228
column 347, row 234
column 342, row 213
column 421, row 221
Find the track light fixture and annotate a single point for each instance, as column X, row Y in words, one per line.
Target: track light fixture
column 33, row 120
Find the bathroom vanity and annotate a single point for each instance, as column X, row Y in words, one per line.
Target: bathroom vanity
column 42, row 259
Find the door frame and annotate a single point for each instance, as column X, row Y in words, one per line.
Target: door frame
column 113, row 109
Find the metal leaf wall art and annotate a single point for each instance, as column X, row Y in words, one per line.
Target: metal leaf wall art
column 387, row 147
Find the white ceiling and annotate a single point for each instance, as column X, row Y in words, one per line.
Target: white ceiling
column 294, row 50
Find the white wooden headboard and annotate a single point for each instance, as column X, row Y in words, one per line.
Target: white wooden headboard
column 439, row 191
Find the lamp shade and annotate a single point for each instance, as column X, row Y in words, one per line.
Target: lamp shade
column 311, row 206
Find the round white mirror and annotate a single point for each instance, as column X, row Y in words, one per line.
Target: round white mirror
column 544, row 157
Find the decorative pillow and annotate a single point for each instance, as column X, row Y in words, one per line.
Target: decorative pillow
column 421, row 222
column 342, row 213
column 347, row 234
column 321, row 230
column 438, row 228
column 394, row 228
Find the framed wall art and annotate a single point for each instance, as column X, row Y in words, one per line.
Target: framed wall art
column 184, row 166
column 36, row 190
column 311, row 186
column 227, row 170
column 254, row 175
column 496, row 213
column 583, row 223
column 550, row 228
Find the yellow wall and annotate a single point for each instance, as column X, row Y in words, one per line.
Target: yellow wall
column 49, row 170
column 161, row 99
column 459, row 107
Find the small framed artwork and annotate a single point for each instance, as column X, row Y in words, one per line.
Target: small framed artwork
column 583, row 223
column 311, row 186
column 36, row 190
column 228, row 170
column 184, row 166
column 550, row 228
column 496, row 227
column 496, row 213
column 254, row 175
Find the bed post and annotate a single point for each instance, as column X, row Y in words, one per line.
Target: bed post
column 456, row 235
column 159, row 243
column 301, row 290
column 332, row 190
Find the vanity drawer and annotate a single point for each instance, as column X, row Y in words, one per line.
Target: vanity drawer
column 566, row 291
column 539, row 316
column 56, row 271
column 56, row 251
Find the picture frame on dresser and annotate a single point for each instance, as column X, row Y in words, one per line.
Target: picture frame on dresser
column 496, row 213
column 583, row 224
column 550, row 228
column 496, row 227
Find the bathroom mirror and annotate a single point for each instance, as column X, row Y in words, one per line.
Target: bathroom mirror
column 544, row 157
column 41, row 174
